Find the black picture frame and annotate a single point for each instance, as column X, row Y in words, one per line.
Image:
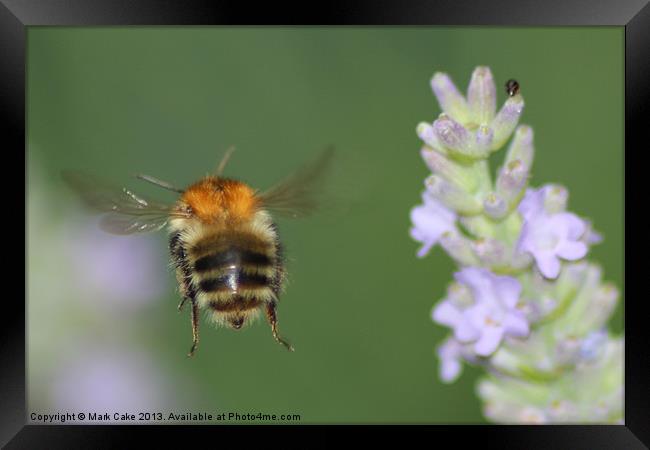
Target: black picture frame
column 633, row 15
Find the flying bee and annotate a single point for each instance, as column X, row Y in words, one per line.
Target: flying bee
column 223, row 243
column 512, row 87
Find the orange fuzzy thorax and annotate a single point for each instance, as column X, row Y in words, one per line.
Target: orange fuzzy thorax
column 220, row 199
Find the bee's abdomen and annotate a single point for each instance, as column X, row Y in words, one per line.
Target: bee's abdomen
column 235, row 271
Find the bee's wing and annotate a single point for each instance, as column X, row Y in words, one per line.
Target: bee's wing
column 124, row 211
column 299, row 194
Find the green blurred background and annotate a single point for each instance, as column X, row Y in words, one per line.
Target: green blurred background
column 168, row 102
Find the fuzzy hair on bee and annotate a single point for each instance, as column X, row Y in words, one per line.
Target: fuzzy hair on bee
column 223, row 242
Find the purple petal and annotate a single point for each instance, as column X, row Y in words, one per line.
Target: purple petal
column 422, row 252
column 419, row 236
column 449, row 369
column 477, row 313
column 465, row 332
column 516, row 325
column 450, row 360
column 508, row 290
column 548, row 264
column 435, row 212
column 430, row 221
column 416, row 234
column 422, row 218
column 489, row 341
column 446, row 314
column 594, row 237
column 473, row 277
column 532, row 204
column 575, row 226
column 572, row 250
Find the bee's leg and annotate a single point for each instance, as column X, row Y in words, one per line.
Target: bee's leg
column 195, row 327
column 273, row 320
column 185, row 285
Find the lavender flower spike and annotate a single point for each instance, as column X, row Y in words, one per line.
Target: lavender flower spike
column 526, row 304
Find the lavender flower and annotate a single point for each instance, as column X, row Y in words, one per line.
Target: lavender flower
column 115, row 272
column 525, row 305
column 491, row 316
column 549, row 235
column 105, row 381
column 430, row 221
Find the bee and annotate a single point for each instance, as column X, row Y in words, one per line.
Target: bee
column 223, row 242
column 512, row 87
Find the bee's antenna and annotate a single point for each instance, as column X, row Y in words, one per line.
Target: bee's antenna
column 157, row 182
column 224, row 160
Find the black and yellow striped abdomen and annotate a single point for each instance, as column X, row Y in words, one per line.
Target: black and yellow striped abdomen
column 232, row 273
